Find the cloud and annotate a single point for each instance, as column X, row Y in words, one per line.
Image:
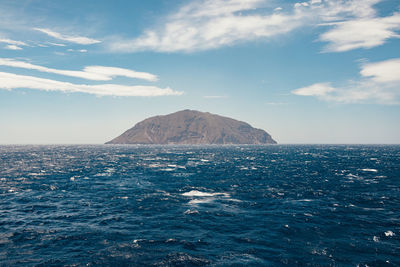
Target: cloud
column 210, row 24
column 56, row 44
column 77, row 50
column 379, row 83
column 73, row 39
column 11, row 81
column 97, row 73
column 12, row 42
column 12, row 47
column 318, row 89
column 361, row 33
column 113, row 71
column 384, row 71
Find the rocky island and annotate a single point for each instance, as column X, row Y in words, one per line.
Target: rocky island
column 192, row 127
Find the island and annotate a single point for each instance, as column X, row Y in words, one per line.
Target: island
column 191, row 127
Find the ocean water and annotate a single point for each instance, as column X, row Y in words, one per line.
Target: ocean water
column 321, row 205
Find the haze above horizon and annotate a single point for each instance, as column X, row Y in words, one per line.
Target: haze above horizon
column 314, row 72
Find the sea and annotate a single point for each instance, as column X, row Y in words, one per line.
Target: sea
column 131, row 205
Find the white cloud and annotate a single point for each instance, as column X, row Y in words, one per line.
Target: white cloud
column 77, row 50
column 56, row 44
column 380, row 83
column 12, row 42
column 73, row 39
column 209, row 24
column 360, row 92
column 11, row 81
column 384, row 71
column 318, row 89
column 361, row 33
column 12, row 47
column 97, row 73
column 114, row 71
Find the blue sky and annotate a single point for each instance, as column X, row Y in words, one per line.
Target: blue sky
column 318, row 71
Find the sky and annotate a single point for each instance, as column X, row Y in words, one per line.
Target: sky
column 313, row 72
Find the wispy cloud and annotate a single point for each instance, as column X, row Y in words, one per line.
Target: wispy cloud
column 12, row 42
column 383, row 72
column 210, row 24
column 12, row 47
column 317, row 89
column 77, row 50
column 9, row 81
column 114, row 71
column 72, row 39
column 380, row 83
column 97, row 73
column 361, row 33
column 55, row 44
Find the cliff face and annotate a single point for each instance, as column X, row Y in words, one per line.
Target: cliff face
column 192, row 127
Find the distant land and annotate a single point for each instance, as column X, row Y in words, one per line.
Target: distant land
column 192, row 127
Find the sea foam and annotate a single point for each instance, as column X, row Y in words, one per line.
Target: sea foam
column 196, row 193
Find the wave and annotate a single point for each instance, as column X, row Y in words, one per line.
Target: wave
column 196, row 193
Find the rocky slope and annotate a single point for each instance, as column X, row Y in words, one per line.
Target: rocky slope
column 192, row 127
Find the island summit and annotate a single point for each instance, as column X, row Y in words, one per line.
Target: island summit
column 191, row 127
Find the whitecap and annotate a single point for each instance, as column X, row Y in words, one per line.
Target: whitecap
column 352, row 176
column 389, row 233
column 110, row 170
column 168, row 169
column 233, row 200
column 369, row 170
column 154, row 165
column 102, row 174
column 196, row 193
column 191, row 212
column 201, row 200
column 136, row 242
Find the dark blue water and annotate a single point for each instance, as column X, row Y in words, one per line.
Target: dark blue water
column 194, row 206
